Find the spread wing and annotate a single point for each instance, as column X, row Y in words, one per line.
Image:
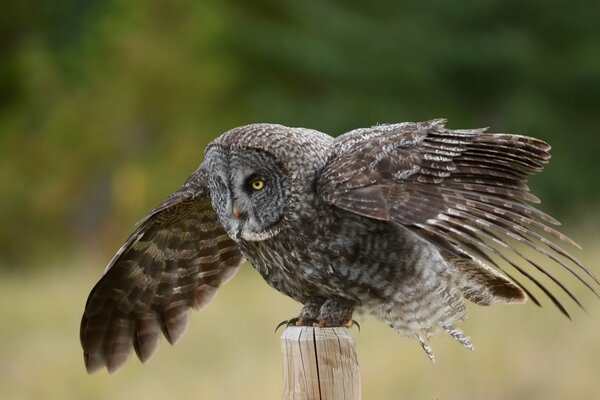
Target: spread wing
column 463, row 190
column 176, row 259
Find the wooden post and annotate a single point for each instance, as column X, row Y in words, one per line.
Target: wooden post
column 319, row 364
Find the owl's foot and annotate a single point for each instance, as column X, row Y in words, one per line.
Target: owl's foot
column 298, row 321
column 308, row 315
column 324, row 314
column 345, row 324
column 336, row 312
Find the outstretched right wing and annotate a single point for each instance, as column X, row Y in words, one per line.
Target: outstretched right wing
column 176, row 259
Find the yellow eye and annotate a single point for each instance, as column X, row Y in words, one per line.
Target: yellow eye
column 257, row 184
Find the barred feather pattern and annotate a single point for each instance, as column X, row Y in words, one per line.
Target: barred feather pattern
column 175, row 260
column 463, row 190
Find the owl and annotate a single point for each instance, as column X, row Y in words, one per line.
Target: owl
column 405, row 222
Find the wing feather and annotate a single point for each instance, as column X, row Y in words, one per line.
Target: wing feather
column 175, row 260
column 464, row 190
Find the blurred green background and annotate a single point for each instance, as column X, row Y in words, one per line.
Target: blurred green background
column 106, row 107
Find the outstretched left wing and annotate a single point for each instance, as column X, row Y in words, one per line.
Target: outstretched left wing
column 176, row 259
column 463, row 190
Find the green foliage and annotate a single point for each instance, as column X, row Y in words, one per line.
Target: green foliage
column 106, row 106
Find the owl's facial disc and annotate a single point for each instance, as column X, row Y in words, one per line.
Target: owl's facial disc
column 249, row 190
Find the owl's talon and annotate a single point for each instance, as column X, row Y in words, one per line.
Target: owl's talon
column 287, row 322
column 353, row 323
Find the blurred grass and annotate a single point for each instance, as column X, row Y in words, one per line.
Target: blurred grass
column 231, row 352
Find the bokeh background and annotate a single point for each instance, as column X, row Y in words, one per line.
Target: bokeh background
column 106, row 106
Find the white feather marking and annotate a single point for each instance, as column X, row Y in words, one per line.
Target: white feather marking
column 400, row 175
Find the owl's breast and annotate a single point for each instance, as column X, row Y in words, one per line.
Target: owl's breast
column 332, row 253
column 295, row 261
column 284, row 264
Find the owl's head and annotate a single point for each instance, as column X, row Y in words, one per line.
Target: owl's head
column 250, row 191
column 258, row 175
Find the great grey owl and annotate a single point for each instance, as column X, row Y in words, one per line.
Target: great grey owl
column 401, row 221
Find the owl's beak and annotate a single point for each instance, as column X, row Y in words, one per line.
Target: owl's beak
column 236, row 213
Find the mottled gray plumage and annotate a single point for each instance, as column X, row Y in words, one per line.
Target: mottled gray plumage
column 402, row 221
